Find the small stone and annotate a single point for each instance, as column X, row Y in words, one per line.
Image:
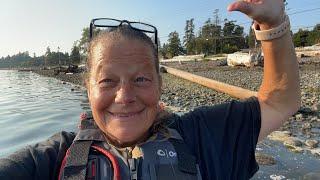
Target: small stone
column 314, row 119
column 312, row 143
column 299, row 117
column 265, row 159
column 72, row 89
column 297, row 150
column 279, row 135
column 315, row 152
column 293, row 142
column 306, row 126
column 316, row 107
column 305, row 110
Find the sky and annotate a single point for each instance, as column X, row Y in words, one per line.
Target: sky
column 34, row 25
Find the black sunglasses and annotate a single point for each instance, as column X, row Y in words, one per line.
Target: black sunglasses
column 114, row 23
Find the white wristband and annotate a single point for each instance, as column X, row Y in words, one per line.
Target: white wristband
column 273, row 33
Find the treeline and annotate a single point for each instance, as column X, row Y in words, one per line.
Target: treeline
column 213, row 38
column 307, row 38
column 49, row 59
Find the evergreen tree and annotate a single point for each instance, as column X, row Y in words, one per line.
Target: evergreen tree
column 75, row 55
column 174, row 46
column 189, row 37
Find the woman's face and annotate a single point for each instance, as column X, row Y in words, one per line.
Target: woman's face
column 124, row 89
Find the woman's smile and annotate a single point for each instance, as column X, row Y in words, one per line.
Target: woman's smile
column 123, row 115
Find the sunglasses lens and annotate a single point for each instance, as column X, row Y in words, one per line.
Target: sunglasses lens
column 143, row 27
column 106, row 22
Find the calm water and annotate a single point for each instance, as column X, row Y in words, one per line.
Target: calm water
column 33, row 107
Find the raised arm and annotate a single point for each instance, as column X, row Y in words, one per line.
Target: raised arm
column 279, row 94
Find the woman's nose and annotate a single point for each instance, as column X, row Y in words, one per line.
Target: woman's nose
column 125, row 94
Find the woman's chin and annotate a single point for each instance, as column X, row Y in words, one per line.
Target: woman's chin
column 125, row 136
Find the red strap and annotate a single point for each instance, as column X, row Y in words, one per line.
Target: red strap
column 112, row 158
column 114, row 162
column 63, row 164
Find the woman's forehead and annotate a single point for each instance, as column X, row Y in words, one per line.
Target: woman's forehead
column 121, row 51
column 133, row 55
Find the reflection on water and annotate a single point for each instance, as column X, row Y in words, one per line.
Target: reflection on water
column 32, row 108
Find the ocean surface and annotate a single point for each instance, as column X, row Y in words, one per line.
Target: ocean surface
column 33, row 108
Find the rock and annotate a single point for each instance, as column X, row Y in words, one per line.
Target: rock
column 296, row 150
column 265, row 159
column 305, row 110
column 293, row 142
column 315, row 151
column 312, row 176
column 279, row 135
column 306, row 126
column 63, row 82
column 312, row 143
column 72, row 89
column 316, row 107
column 299, row 117
column 313, row 119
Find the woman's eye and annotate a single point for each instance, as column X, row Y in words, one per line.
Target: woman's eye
column 141, row 79
column 106, row 83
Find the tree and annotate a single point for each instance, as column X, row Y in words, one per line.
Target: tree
column 233, row 36
column 85, row 39
column 251, row 39
column 75, row 55
column 189, row 37
column 300, row 38
column 174, row 46
column 48, row 51
column 163, row 51
column 210, row 37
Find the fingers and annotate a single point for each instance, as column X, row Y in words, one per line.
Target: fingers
column 242, row 6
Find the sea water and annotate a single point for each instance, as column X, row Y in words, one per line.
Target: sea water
column 33, row 108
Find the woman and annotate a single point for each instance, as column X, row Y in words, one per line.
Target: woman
column 130, row 139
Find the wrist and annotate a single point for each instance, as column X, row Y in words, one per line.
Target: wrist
column 265, row 32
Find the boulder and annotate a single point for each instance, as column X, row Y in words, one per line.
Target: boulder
column 312, row 143
column 265, row 159
column 279, row 135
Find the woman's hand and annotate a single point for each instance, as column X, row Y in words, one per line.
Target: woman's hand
column 267, row 13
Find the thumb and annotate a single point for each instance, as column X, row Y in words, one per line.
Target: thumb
column 242, row 6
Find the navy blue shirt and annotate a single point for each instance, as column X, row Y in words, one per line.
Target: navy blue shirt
column 222, row 138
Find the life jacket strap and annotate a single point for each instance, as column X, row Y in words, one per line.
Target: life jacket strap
column 76, row 161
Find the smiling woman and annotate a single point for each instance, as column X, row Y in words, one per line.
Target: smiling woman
column 128, row 136
column 123, row 86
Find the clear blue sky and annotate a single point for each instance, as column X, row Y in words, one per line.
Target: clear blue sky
column 32, row 25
